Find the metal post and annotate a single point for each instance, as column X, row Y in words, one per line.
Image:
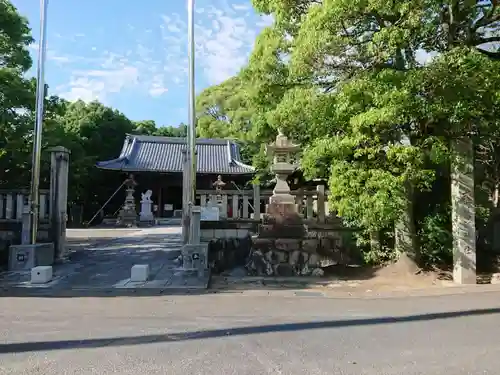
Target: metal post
column 37, row 134
column 192, row 116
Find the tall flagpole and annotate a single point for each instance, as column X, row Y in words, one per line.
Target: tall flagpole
column 37, row 134
column 192, row 116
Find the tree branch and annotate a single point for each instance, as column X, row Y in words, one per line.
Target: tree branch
column 484, row 40
column 491, row 55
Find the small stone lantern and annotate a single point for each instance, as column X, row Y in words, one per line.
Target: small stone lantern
column 128, row 214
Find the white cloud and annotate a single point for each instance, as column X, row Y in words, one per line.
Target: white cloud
column 91, row 85
column 157, row 88
column 224, row 36
column 241, row 7
column 59, row 59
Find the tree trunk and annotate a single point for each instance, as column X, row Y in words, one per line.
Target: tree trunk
column 493, row 223
column 494, row 197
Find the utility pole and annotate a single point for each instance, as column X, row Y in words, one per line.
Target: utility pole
column 37, row 134
column 192, row 114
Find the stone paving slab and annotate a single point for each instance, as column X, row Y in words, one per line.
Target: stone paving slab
column 104, row 265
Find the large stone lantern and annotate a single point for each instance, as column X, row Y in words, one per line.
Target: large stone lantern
column 283, row 151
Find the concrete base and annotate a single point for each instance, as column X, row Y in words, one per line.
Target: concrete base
column 139, row 273
column 26, row 257
column 41, row 274
column 146, row 217
column 195, row 257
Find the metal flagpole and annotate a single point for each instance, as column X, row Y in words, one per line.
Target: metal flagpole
column 37, row 134
column 192, row 116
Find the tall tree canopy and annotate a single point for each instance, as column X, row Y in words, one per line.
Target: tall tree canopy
column 16, row 94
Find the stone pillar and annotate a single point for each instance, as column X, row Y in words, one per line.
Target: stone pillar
column 9, row 206
column 245, row 207
column 320, row 203
column 463, row 213
column 26, row 225
column 185, row 197
column 59, row 168
column 235, row 208
column 309, row 207
column 405, row 234
column 194, row 230
column 256, row 202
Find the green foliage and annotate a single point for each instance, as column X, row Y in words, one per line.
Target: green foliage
column 435, row 237
column 345, row 79
column 16, row 95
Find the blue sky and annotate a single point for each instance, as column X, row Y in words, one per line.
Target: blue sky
column 132, row 55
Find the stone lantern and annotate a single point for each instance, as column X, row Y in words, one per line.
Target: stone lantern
column 282, row 208
column 128, row 214
column 283, row 151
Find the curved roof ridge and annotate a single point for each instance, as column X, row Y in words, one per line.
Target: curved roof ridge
column 163, row 139
column 164, row 154
column 243, row 165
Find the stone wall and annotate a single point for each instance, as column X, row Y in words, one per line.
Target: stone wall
column 229, row 243
column 225, row 254
column 11, row 231
column 231, row 246
column 210, row 230
column 321, row 247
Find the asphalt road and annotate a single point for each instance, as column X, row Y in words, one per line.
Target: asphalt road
column 238, row 334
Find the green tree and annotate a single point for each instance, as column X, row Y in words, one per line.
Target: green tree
column 172, row 131
column 351, row 73
column 16, row 94
column 99, row 131
column 146, row 127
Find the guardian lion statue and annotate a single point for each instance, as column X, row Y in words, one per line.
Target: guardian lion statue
column 146, row 197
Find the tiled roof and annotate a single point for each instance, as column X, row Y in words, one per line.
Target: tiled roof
column 164, row 154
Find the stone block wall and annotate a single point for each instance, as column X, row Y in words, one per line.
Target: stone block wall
column 231, row 245
column 225, row 254
column 10, row 231
column 296, row 257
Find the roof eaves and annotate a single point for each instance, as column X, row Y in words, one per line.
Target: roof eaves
column 245, row 166
column 107, row 163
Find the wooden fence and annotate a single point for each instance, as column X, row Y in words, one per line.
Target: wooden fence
column 12, row 203
column 248, row 204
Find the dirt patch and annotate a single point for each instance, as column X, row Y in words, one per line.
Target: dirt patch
column 401, row 275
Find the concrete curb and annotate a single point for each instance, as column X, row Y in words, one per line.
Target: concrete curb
column 99, row 292
column 55, row 290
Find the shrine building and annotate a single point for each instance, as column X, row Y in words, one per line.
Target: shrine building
column 157, row 164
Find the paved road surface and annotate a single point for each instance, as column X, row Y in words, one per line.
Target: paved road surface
column 251, row 334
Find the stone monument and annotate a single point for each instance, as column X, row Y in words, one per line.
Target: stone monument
column 128, row 215
column 146, row 213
